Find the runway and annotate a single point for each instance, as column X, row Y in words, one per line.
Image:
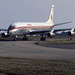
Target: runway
column 28, row 49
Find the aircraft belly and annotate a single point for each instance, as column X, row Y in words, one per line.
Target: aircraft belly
column 22, row 31
column 26, row 31
column 40, row 28
column 19, row 32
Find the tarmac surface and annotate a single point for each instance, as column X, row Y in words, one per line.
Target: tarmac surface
column 28, row 49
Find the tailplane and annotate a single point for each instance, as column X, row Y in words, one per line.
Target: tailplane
column 50, row 20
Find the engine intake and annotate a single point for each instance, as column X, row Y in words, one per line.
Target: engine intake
column 50, row 34
column 69, row 33
column 5, row 35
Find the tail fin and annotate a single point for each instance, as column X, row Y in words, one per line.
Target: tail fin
column 50, row 20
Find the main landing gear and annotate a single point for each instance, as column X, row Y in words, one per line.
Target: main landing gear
column 25, row 38
column 43, row 38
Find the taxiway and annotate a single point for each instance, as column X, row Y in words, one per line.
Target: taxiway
column 28, row 49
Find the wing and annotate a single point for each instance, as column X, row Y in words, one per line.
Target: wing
column 47, row 31
column 3, row 29
column 39, row 31
column 56, row 30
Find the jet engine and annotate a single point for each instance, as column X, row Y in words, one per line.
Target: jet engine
column 5, row 35
column 50, row 34
column 72, row 32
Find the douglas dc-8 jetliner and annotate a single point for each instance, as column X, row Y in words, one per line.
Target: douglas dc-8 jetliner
column 24, row 28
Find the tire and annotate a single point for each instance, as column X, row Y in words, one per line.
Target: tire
column 25, row 38
column 14, row 39
column 43, row 39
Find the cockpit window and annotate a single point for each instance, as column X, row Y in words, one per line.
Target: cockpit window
column 11, row 27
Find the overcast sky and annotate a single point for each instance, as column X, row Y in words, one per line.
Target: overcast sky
column 36, row 11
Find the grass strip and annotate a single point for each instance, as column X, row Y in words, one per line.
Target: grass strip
column 22, row 66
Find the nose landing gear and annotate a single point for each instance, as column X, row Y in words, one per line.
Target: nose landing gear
column 14, row 37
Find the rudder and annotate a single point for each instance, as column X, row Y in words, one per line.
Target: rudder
column 50, row 20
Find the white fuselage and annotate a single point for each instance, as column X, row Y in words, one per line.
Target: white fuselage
column 24, row 28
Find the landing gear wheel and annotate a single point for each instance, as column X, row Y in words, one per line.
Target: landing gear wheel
column 14, row 39
column 25, row 38
column 43, row 39
column 70, row 38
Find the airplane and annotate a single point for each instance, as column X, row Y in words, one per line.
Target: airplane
column 28, row 28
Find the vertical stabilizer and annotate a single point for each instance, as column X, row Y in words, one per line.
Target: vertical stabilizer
column 50, row 20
